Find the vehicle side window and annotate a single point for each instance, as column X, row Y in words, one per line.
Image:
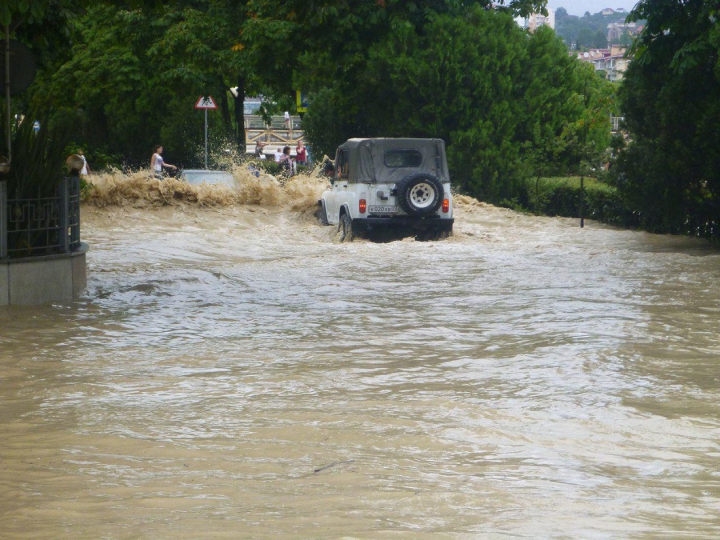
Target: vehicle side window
column 403, row 158
column 341, row 165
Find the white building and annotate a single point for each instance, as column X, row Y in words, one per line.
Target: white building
column 612, row 61
column 536, row 20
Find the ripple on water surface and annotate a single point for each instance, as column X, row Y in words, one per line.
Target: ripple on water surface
column 523, row 378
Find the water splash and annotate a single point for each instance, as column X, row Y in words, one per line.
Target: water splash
column 140, row 189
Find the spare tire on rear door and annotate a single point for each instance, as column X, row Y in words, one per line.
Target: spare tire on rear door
column 420, row 194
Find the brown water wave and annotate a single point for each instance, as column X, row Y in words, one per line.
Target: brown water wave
column 142, row 189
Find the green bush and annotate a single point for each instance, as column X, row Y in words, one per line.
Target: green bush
column 269, row 166
column 564, row 197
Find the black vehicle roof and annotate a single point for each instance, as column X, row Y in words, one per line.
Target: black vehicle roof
column 366, row 158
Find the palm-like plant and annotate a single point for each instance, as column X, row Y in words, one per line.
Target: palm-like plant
column 37, row 162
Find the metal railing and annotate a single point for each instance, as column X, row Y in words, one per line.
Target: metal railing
column 41, row 226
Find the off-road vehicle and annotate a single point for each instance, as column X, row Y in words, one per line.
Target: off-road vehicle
column 379, row 184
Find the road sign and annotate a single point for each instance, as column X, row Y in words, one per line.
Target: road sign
column 205, row 103
column 302, row 101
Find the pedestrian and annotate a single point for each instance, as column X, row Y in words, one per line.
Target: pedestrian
column 301, row 154
column 85, row 168
column 288, row 125
column 157, row 162
column 278, row 154
column 286, row 162
column 259, row 145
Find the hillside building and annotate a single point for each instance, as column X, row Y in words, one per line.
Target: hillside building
column 612, row 61
column 536, row 20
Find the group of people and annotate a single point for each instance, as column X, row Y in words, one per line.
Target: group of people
column 287, row 164
column 283, row 157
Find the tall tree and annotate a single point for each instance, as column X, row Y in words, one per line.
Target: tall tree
column 134, row 75
column 670, row 97
column 305, row 43
column 494, row 93
column 204, row 43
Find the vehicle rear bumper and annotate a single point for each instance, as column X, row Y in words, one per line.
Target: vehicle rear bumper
column 433, row 223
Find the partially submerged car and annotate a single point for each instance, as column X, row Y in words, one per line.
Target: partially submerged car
column 204, row 176
column 381, row 183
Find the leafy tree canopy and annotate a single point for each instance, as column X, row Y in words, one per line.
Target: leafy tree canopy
column 495, row 94
column 504, row 100
column 671, row 102
column 132, row 76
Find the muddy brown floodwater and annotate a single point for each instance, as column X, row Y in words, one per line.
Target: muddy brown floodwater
column 233, row 372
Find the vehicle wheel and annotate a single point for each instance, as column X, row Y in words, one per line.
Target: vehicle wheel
column 442, row 235
column 322, row 214
column 428, row 235
column 420, row 194
column 345, row 229
column 433, row 235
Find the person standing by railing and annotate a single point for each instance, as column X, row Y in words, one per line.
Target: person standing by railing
column 301, row 154
column 259, row 145
column 286, row 163
column 288, row 122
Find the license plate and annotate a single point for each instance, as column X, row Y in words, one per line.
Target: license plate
column 382, row 209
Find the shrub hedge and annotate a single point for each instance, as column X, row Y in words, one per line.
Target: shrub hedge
column 564, row 197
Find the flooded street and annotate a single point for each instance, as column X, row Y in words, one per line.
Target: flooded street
column 234, row 372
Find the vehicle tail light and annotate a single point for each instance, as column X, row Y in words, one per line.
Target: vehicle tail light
column 362, row 206
column 446, row 205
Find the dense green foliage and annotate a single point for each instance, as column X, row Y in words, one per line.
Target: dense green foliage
column 508, row 104
column 504, row 101
column 670, row 173
column 131, row 77
column 13, row 10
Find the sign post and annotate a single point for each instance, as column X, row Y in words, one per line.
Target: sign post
column 206, row 103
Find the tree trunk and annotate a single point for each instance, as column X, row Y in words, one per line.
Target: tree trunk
column 225, row 112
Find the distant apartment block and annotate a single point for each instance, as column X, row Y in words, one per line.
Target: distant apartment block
column 612, row 61
column 536, row 20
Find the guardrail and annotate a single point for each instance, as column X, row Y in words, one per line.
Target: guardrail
column 274, row 133
column 40, row 226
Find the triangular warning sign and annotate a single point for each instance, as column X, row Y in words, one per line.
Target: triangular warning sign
column 205, row 103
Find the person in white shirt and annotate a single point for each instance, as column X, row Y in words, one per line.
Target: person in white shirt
column 86, row 167
column 157, row 162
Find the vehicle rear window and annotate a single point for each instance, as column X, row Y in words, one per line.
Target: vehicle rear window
column 403, row 158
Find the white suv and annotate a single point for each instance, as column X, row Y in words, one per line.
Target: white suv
column 378, row 184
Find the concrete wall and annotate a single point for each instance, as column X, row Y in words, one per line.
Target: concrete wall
column 37, row 280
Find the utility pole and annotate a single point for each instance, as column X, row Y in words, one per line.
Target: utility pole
column 8, row 131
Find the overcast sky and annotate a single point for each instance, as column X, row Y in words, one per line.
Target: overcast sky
column 579, row 7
